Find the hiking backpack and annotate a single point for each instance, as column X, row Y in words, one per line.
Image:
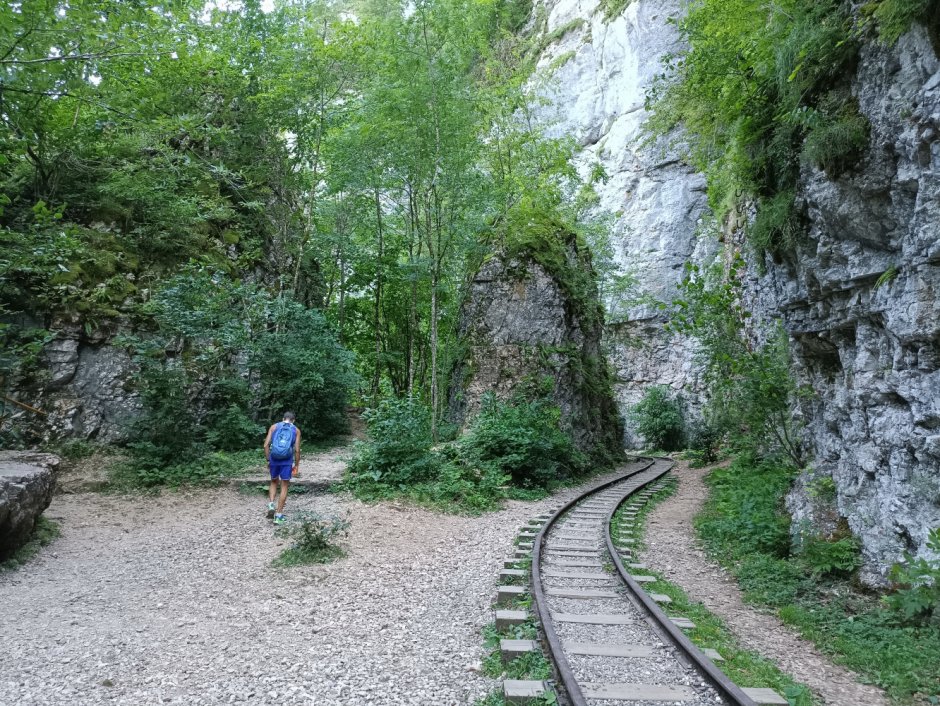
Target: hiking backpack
column 282, row 442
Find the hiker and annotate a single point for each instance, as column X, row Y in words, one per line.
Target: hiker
column 282, row 449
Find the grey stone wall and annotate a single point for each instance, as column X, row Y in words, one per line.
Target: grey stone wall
column 659, row 205
column 861, row 302
column 870, row 353
column 84, row 389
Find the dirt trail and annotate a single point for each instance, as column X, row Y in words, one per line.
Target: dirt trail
column 674, row 550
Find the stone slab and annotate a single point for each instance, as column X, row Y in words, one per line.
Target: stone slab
column 511, row 649
column 638, row 578
column 516, row 691
column 509, row 618
column 507, row 594
column 660, row 598
column 765, row 697
column 27, row 483
column 575, row 563
column 637, row 692
column 599, row 650
column 556, row 574
column 513, row 573
column 683, row 623
column 568, row 547
column 593, row 618
column 713, row 654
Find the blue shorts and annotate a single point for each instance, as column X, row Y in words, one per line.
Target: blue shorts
column 280, row 469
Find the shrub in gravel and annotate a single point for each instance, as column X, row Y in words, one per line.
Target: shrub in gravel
column 312, row 537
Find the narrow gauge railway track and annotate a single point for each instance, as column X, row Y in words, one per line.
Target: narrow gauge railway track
column 609, row 641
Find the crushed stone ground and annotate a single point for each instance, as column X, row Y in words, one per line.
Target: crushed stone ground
column 172, row 599
column 673, row 549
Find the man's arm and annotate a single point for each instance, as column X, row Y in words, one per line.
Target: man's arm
column 296, row 470
column 267, row 443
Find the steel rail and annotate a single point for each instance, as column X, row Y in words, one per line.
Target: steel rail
column 563, row 668
column 718, row 679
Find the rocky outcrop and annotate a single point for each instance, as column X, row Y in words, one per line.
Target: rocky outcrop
column 594, row 78
column 861, row 302
column 27, row 482
column 519, row 323
column 83, row 389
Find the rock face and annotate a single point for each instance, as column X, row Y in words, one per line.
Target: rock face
column 594, row 78
column 27, row 481
column 85, row 392
column 861, row 302
column 519, row 323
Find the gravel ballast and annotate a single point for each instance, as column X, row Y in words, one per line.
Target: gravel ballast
column 173, row 599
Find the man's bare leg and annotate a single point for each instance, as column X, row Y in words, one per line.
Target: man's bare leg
column 272, row 489
column 283, row 499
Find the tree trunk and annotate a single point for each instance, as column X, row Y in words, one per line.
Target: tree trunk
column 377, row 374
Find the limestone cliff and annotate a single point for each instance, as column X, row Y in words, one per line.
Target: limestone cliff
column 860, row 298
column 595, row 77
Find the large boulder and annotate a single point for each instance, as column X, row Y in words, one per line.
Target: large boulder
column 27, row 481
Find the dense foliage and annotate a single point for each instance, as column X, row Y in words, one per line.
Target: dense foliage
column 510, row 444
column 745, row 526
column 748, row 384
column 658, row 418
column 356, row 165
column 764, row 89
column 225, row 360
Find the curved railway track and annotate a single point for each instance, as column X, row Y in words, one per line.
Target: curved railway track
column 610, row 642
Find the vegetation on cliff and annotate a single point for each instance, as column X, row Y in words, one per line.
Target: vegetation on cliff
column 763, row 90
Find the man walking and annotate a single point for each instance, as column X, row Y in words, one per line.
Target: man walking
column 282, row 449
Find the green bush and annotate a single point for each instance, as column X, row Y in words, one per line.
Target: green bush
column 398, row 452
column 658, row 418
column 523, row 439
column 839, row 133
column 917, row 595
column 302, row 366
column 746, row 511
column 517, row 442
column 749, row 388
column 167, row 430
column 311, row 536
column 895, row 17
column 831, row 557
column 704, row 443
column 241, row 358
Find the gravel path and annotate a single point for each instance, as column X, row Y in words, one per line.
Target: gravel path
column 172, row 599
column 674, row 550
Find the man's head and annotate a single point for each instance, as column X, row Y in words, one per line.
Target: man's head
column 289, row 417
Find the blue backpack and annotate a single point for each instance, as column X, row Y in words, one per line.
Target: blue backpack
column 282, row 442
